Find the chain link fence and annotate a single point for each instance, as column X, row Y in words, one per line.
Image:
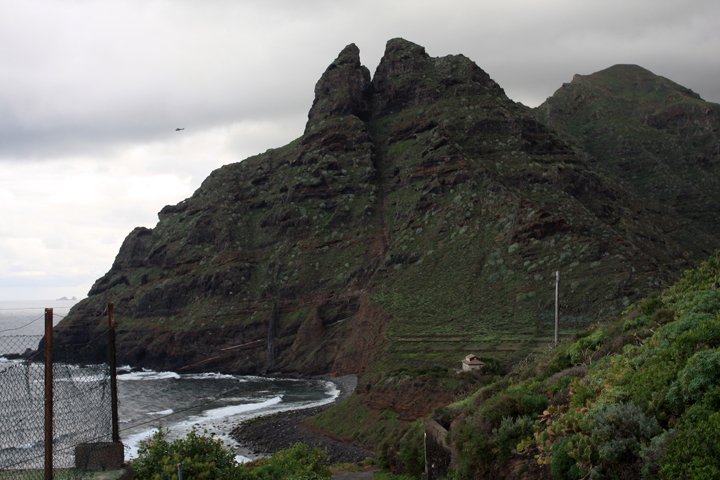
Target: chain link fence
column 81, row 411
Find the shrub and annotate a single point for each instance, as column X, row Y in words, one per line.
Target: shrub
column 581, row 351
column 705, row 334
column 702, row 301
column 403, row 450
column 206, row 458
column 563, row 466
column 202, row 457
column 701, row 372
column 299, row 462
column 509, row 434
column 513, row 402
column 618, row 432
column 694, row 450
column 582, row 392
column 411, row 452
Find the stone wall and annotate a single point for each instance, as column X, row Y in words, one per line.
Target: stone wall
column 437, row 450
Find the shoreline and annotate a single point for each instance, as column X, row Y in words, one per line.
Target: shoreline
column 265, row 435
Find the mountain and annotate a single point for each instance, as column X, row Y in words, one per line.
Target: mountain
column 653, row 136
column 421, row 216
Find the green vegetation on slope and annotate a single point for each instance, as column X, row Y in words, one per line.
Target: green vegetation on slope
column 205, row 457
column 638, row 397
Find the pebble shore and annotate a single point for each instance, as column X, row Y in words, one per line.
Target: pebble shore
column 268, row 434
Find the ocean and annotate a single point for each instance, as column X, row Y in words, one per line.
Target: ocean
column 210, row 402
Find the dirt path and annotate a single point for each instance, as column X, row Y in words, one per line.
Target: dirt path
column 368, row 475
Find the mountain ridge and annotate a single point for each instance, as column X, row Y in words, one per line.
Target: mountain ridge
column 421, row 216
column 647, row 133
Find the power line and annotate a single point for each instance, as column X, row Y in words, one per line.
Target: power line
column 23, row 326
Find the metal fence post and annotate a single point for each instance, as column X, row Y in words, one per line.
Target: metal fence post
column 113, row 374
column 48, row 394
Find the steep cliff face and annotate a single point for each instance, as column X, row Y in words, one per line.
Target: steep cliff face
column 420, row 216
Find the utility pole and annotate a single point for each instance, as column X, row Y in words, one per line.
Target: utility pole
column 557, row 305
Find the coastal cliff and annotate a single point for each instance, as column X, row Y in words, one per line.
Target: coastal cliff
column 419, row 217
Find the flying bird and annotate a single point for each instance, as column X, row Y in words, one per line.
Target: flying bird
column 178, row 129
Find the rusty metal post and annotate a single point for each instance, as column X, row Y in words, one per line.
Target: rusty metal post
column 48, row 394
column 113, row 374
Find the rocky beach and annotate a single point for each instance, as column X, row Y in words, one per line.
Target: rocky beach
column 268, row 434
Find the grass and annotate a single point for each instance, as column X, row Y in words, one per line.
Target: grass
column 351, row 419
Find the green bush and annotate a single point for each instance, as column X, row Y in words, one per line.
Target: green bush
column 513, row 402
column 206, row 458
column 618, row 433
column 694, row 450
column 201, row 456
column 299, row 462
column 704, row 334
column 411, row 451
column 582, row 393
column 403, row 450
column 701, row 372
column 563, row 466
column 509, row 434
column 702, row 301
column 581, row 351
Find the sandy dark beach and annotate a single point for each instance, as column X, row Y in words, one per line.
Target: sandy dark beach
column 268, row 434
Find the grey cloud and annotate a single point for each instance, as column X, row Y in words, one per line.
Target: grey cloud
column 83, row 75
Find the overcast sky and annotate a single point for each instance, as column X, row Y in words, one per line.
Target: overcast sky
column 91, row 93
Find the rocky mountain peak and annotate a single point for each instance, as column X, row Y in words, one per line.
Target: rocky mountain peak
column 342, row 90
column 408, row 76
column 401, row 50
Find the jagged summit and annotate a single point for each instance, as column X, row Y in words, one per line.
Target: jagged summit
column 342, row 90
column 406, row 76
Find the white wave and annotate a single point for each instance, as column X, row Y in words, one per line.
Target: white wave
column 220, row 421
column 132, row 443
column 169, row 411
column 240, row 399
column 230, row 411
column 211, row 376
column 147, row 375
column 332, row 389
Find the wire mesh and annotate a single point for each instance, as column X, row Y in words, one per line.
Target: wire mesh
column 82, row 410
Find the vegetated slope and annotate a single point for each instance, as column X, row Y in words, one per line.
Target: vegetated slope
column 654, row 136
column 638, row 397
column 420, row 217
